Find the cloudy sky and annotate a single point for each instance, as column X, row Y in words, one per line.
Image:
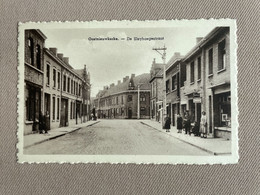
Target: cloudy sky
column 110, row 61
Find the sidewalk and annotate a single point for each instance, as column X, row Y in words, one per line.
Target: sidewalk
column 215, row 146
column 33, row 139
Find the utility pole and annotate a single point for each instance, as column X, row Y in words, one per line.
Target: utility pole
column 162, row 52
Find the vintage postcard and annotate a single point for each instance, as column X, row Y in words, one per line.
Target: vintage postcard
column 144, row 92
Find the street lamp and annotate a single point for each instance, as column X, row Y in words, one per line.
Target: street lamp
column 138, row 99
column 164, row 78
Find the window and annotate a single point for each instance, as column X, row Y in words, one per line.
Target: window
column 211, row 61
column 116, row 100
column 71, row 110
column 54, row 78
column 167, row 86
column 142, row 98
column 48, row 74
column 130, row 98
column 64, row 82
column 192, row 72
column 68, row 85
column 76, row 88
column 174, row 82
column 222, row 55
column 31, row 51
column 199, row 68
column 122, row 99
column 58, row 108
column 38, row 56
column 53, row 108
column 58, row 80
column 74, row 92
column 79, row 90
column 71, row 89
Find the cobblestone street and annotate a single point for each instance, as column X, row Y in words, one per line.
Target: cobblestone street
column 116, row 137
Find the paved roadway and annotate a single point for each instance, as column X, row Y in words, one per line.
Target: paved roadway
column 116, row 137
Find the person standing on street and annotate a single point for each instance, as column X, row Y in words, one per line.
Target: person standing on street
column 203, row 125
column 47, row 122
column 179, row 123
column 167, row 124
column 187, row 124
column 41, row 123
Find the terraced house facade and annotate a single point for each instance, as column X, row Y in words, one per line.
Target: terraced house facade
column 52, row 86
column 128, row 99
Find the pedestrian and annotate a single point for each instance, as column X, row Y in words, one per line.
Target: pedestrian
column 41, row 123
column 167, row 124
column 47, row 122
column 179, row 123
column 187, row 124
column 203, row 125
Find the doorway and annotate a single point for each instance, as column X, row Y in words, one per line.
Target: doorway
column 64, row 113
column 129, row 113
column 47, row 110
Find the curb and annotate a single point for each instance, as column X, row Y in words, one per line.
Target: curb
column 206, row 150
column 56, row 136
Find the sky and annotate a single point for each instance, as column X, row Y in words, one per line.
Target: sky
column 110, row 61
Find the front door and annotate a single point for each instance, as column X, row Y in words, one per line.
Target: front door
column 129, row 112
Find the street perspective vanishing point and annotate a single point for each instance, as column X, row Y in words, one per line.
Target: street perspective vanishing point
column 159, row 92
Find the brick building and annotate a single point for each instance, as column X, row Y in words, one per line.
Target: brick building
column 121, row 100
column 207, row 87
column 173, row 83
column 156, row 100
column 33, row 78
column 52, row 86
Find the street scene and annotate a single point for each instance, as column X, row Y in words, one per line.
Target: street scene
column 108, row 137
column 128, row 91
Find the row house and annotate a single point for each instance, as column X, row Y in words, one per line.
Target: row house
column 207, row 87
column 125, row 99
column 174, row 78
column 156, row 81
column 64, row 91
column 33, row 77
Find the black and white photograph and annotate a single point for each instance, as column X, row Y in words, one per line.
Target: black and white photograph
column 153, row 92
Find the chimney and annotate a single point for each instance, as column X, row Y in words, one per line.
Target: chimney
column 53, row 50
column 85, row 67
column 198, row 39
column 124, row 79
column 112, row 85
column 132, row 75
column 105, row 87
column 154, row 61
column 60, row 55
column 177, row 54
column 127, row 77
column 118, row 82
column 66, row 60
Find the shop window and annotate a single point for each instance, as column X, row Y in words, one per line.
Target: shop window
column 71, row 110
column 210, row 60
column 38, row 56
column 192, row 72
column 199, row 68
column 31, row 51
column 222, row 55
column 48, row 74
column 129, row 99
